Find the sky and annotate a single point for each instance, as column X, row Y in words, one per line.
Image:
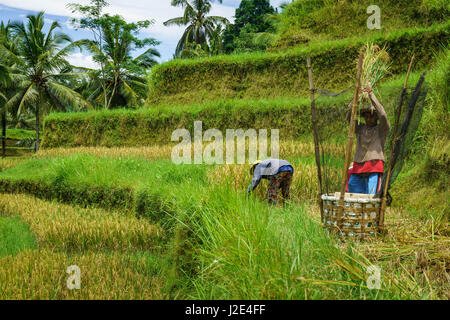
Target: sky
column 130, row 10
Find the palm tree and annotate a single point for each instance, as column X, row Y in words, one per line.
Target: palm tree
column 125, row 80
column 200, row 27
column 42, row 69
column 5, row 80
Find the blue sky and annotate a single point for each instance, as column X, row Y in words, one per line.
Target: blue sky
column 131, row 10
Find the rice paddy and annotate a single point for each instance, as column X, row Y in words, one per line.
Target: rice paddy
column 208, row 240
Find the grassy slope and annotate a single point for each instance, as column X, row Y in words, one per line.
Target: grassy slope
column 307, row 21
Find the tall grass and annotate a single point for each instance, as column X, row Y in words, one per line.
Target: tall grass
column 248, row 250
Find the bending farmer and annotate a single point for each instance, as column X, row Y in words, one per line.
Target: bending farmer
column 368, row 165
column 278, row 172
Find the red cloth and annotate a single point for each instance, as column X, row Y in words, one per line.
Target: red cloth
column 373, row 166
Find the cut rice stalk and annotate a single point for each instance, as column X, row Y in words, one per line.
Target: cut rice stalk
column 376, row 65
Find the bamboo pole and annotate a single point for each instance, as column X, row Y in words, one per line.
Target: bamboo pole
column 351, row 133
column 394, row 141
column 316, row 134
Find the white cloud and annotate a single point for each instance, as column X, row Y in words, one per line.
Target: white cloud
column 81, row 60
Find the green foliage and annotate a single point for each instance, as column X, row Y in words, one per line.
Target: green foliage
column 284, row 74
column 222, row 244
column 19, row 134
column 249, row 20
column 15, row 236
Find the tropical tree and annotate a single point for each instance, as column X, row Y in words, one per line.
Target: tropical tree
column 121, row 81
column 5, row 79
column 250, row 21
column 41, row 70
column 200, row 28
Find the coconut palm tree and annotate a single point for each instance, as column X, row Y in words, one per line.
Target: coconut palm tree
column 125, row 76
column 5, row 80
column 200, row 27
column 41, row 70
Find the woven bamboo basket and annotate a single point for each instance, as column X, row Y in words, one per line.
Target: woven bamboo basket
column 360, row 216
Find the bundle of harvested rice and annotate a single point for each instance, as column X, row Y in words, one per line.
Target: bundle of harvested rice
column 375, row 67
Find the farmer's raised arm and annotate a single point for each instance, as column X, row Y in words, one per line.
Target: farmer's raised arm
column 384, row 121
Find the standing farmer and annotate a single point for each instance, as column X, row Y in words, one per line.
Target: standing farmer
column 279, row 173
column 368, row 165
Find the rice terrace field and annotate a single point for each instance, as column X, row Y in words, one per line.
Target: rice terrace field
column 100, row 197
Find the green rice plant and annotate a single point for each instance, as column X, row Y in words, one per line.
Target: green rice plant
column 20, row 134
column 15, row 236
column 62, row 227
column 147, row 188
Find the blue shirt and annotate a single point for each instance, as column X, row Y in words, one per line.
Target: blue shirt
column 267, row 168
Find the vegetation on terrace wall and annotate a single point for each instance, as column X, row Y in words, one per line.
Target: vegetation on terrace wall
column 284, row 74
column 155, row 126
column 305, row 21
column 150, row 126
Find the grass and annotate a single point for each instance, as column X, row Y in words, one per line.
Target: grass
column 6, row 163
column 15, row 236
